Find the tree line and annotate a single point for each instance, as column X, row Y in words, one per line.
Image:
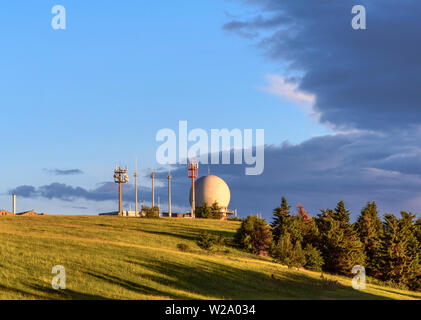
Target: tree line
column 388, row 248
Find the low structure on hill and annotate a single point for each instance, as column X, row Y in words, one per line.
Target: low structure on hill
column 5, row 213
column 29, row 213
column 176, row 215
column 128, row 213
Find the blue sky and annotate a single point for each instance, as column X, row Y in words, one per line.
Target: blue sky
column 95, row 95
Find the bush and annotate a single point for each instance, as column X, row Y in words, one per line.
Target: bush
column 254, row 235
column 313, row 258
column 235, row 219
column 151, row 212
column 183, row 247
column 212, row 212
column 206, row 241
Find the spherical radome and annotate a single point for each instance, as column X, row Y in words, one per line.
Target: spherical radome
column 211, row 189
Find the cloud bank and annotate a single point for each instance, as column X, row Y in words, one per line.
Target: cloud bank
column 366, row 79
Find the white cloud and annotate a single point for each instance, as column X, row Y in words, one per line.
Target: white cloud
column 278, row 86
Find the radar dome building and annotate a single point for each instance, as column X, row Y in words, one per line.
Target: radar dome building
column 210, row 189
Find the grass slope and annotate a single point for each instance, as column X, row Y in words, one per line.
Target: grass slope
column 134, row 258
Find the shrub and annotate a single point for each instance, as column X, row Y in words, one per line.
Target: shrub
column 206, row 241
column 151, row 212
column 254, row 235
column 205, row 212
column 183, row 247
column 235, row 219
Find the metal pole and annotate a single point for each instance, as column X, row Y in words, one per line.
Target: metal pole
column 14, row 203
column 135, row 182
column 120, row 177
column 192, row 201
column 153, row 189
column 120, row 200
column 169, row 195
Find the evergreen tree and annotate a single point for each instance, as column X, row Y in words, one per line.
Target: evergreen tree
column 369, row 229
column 254, row 235
column 206, row 241
column 313, row 258
column 339, row 243
column 418, row 229
column 280, row 216
column 295, row 226
column 341, row 214
column 206, row 212
column 203, row 211
column 288, row 253
column 307, row 226
column 215, row 211
column 400, row 251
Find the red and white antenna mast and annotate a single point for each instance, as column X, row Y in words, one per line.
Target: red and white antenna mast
column 192, row 169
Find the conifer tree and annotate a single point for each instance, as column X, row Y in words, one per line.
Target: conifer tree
column 400, row 251
column 339, row 243
column 313, row 257
column 254, row 235
column 280, row 216
column 418, row 229
column 369, row 229
column 341, row 214
column 307, row 226
column 289, row 253
column 203, row 211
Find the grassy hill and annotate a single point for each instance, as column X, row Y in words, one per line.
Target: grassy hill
column 135, row 258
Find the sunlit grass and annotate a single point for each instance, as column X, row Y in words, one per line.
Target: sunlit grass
column 136, row 258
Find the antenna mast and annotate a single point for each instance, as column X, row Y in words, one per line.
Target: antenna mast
column 169, row 194
column 120, row 177
column 192, row 172
column 153, row 188
column 135, row 182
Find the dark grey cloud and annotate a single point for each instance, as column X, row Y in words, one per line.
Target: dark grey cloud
column 63, row 192
column 367, row 79
column 321, row 171
column 61, row 172
column 105, row 191
column 79, row 207
column 24, row 191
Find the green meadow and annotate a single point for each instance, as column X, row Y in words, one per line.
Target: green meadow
column 137, row 258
